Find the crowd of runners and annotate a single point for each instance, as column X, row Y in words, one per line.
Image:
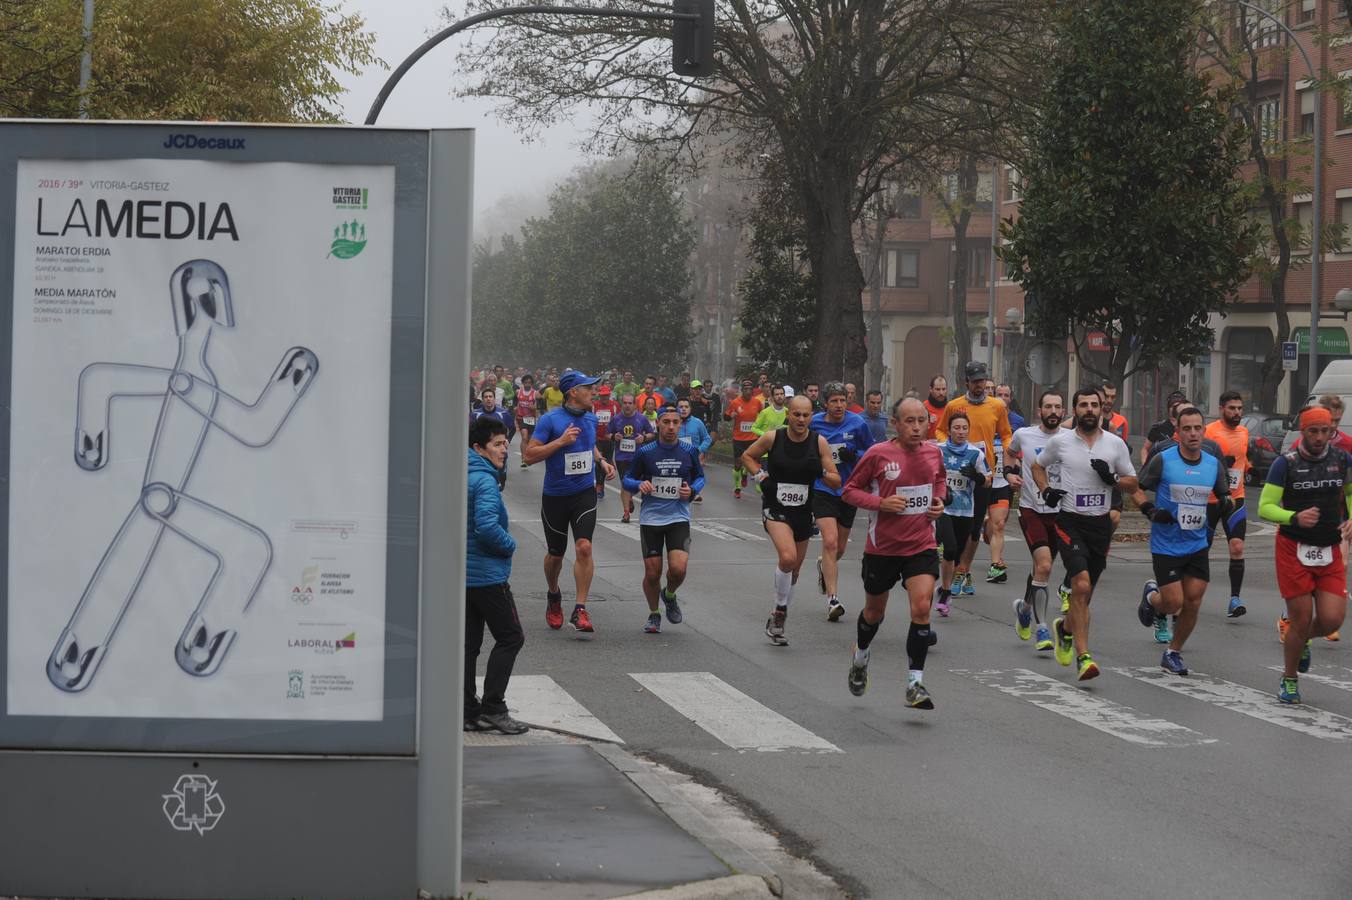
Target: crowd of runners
column 935, row 477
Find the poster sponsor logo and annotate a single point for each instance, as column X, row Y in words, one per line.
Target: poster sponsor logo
column 304, row 591
column 195, row 142
column 295, row 684
column 324, row 646
column 349, row 239
column 194, row 805
column 350, row 197
column 172, row 220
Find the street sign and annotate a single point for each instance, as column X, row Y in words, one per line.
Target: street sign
column 1290, row 355
column 1046, row 363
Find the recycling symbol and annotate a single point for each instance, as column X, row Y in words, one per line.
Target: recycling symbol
column 194, row 805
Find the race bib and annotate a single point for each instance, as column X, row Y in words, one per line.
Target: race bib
column 579, row 463
column 791, row 494
column 999, row 457
column 603, row 416
column 1095, row 501
column 745, row 427
column 958, row 483
column 1191, row 518
column 835, row 452
column 1314, row 557
column 628, row 445
column 667, row 488
column 528, row 420
column 1235, row 476
column 918, row 498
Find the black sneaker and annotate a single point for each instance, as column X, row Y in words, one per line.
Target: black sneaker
column 502, row 722
column 473, row 724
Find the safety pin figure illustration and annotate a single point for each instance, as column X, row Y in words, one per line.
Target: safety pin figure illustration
column 192, row 405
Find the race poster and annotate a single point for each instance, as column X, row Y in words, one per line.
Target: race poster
column 199, row 439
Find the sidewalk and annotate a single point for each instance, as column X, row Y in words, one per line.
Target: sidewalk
column 551, row 815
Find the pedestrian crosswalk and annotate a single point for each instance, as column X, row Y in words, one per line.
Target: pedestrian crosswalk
column 741, row 722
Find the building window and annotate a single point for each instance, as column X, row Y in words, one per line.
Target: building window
column 1246, row 349
column 908, row 205
column 1259, row 29
column 901, row 268
column 1307, row 98
column 1304, row 215
column 983, row 189
column 978, row 263
column 1012, row 185
column 1268, row 120
column 1307, row 10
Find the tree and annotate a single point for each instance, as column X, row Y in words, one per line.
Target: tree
column 235, row 60
column 958, row 201
column 846, row 93
column 1133, row 220
column 602, row 280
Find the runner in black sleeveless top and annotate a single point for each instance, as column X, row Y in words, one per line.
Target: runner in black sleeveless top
column 798, row 457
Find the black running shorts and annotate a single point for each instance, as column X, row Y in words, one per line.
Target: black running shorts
column 575, row 511
column 881, row 573
column 653, row 538
column 1169, row 569
column 829, row 506
column 1084, row 543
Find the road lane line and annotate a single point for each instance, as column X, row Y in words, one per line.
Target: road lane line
column 1240, row 698
column 538, row 700
column 725, row 532
column 629, row 530
column 1342, row 684
column 1087, row 709
column 729, row 715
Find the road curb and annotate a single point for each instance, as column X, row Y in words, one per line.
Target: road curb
column 733, row 887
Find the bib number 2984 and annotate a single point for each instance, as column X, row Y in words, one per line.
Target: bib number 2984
column 791, row 494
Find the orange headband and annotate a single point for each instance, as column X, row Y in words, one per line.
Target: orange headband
column 1315, row 416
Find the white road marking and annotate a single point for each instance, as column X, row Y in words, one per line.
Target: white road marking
column 1342, row 683
column 538, row 700
column 1087, row 709
column 1240, row 698
column 630, row 530
column 729, row 715
column 725, row 532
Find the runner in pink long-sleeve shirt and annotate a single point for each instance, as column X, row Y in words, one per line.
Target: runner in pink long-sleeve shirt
column 902, row 484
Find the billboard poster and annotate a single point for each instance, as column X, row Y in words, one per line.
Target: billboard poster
column 199, row 439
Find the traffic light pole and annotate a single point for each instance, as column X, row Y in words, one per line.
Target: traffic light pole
column 587, row 11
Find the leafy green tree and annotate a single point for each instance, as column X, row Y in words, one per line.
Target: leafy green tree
column 234, row 60
column 1133, row 219
column 602, row 280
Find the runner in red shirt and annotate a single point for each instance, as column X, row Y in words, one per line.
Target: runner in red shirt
column 527, row 408
column 902, row 484
column 934, row 405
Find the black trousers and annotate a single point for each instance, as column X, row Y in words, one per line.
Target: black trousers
column 492, row 606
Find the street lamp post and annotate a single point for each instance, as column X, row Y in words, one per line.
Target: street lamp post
column 1317, row 211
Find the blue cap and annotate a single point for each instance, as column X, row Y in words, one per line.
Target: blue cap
column 572, row 378
column 668, row 409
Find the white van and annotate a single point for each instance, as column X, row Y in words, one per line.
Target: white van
column 1335, row 379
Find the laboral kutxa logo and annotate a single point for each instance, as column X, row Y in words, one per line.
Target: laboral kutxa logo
column 194, row 805
column 324, row 646
column 349, row 239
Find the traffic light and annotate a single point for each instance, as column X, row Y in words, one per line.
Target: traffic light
column 692, row 40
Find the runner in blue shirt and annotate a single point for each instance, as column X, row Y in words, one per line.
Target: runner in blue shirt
column 848, row 436
column 875, row 417
column 628, row 431
column 668, row 474
column 967, row 471
column 565, row 440
column 1183, row 479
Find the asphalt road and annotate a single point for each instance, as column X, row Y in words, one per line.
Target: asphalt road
column 1021, row 783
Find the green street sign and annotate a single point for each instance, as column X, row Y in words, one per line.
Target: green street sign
column 1332, row 341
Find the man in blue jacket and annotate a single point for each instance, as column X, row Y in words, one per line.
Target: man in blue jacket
column 488, row 596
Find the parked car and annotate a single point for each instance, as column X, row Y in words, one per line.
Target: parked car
column 1265, row 440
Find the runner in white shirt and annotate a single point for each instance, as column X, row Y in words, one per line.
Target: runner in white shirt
column 1036, row 519
column 1092, row 462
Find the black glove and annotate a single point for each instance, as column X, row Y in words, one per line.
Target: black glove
column 1154, row 514
column 846, row 455
column 1052, row 496
column 1100, row 467
column 1229, row 461
column 971, row 472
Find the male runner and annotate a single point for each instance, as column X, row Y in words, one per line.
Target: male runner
column 627, row 385
column 1164, row 429
column 1037, row 519
column 797, row 458
column 527, row 409
column 1309, row 495
column 901, row 483
column 1006, row 395
column 848, row 437
column 604, row 408
column 935, row 403
column 628, row 431
column 565, row 439
column 989, row 420
column 1233, row 439
column 813, row 392
column 649, row 390
column 966, row 473
column 1092, row 462
column 874, row 416
column 851, row 400
column 772, row 417
column 488, row 406
column 700, row 406
column 742, row 411
column 997, row 514
column 667, row 473
column 1113, row 420
column 1182, row 477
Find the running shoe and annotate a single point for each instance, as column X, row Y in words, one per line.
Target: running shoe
column 1163, row 633
column 941, row 604
column 624, row 519
column 1065, row 644
column 473, row 724
column 697, row 499
column 1172, row 662
column 998, row 573
column 554, row 610
column 1088, row 668
column 737, row 493
column 1334, row 635
column 1023, row 620
column 1145, row 611
column 1064, row 593
column 917, row 697
column 821, row 578
column 654, row 625
column 834, row 610
column 1290, row 691
column 1236, row 608
column 524, row 465
column 774, row 626
column 858, row 678
column 967, row 587
column 1304, row 665
column 580, row 620
column 673, row 608
column 504, row 723
column 1282, row 624
column 1044, row 637
column 601, row 492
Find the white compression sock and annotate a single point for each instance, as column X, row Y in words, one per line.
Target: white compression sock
column 783, row 588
